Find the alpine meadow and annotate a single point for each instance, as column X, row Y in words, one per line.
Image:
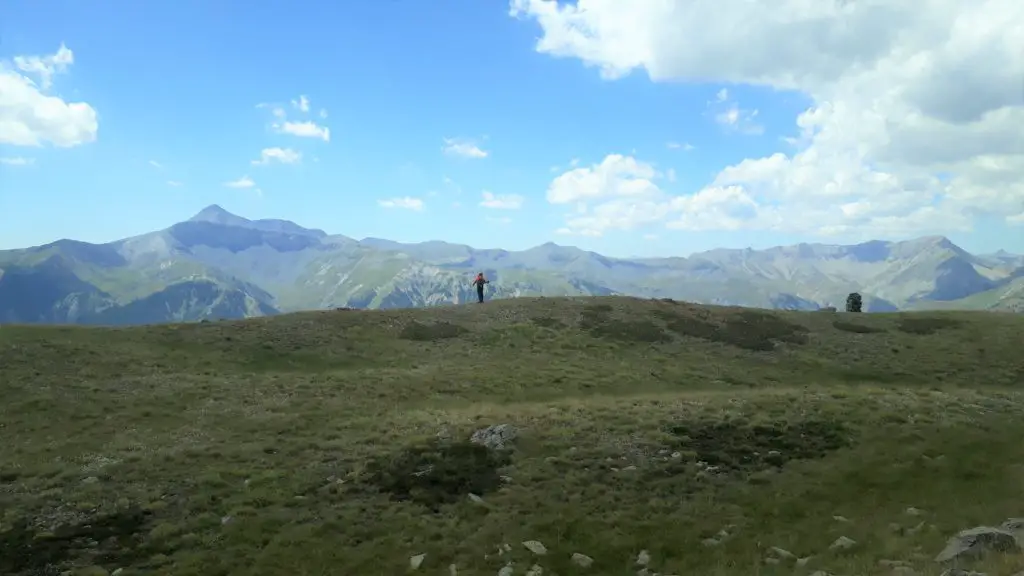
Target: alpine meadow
column 512, row 288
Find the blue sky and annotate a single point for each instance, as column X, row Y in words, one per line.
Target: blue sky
column 185, row 93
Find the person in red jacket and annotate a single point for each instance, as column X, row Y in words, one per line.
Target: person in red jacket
column 479, row 283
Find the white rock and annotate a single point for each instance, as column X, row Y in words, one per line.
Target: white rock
column 804, row 561
column 643, row 558
column 782, row 553
column 914, row 511
column 506, row 570
column 535, row 547
column 582, row 560
column 453, row 570
column 842, row 519
column 842, row 543
column 416, row 561
column 476, row 499
column 535, row 570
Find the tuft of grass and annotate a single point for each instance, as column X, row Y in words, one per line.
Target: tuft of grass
column 328, row 442
column 438, row 473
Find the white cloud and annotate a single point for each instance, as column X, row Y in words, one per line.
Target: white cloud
column 677, row 146
column 282, row 155
column 173, row 183
column 306, row 129
column 301, row 104
column 501, row 201
column 464, row 148
column 243, row 182
column 404, row 202
column 728, row 114
column 29, row 116
column 17, row 161
column 323, row 113
column 156, row 165
column 502, row 220
column 915, row 114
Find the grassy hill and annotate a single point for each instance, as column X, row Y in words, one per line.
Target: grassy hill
column 338, row 442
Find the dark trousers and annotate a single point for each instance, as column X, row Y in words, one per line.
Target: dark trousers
column 480, row 293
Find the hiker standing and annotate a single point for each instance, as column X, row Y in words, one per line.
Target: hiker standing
column 479, row 283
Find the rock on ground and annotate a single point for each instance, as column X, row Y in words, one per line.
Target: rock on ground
column 496, row 437
column 535, row 547
column 582, row 560
column 975, row 542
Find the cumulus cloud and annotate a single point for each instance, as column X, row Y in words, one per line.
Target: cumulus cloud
column 302, row 129
column 501, row 201
column 282, row 155
column 30, row 115
column 915, row 114
column 307, row 129
column 404, row 202
column 463, row 148
column 243, row 182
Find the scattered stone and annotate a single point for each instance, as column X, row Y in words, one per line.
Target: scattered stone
column 801, row 562
column 916, row 529
column 891, row 563
column 504, row 548
column 506, row 570
column 535, row 547
column 903, row 571
column 535, row 570
column 842, row 543
column 1013, row 525
column 842, row 519
column 453, row 570
column 582, row 560
column 894, row 527
column 820, row 573
column 772, row 561
column 643, row 558
column 975, row 542
column 914, row 511
column 416, row 561
column 710, row 542
column 224, row 520
column 90, row 480
column 962, row 572
column 476, row 499
column 117, row 572
column 782, row 553
column 506, row 479
column 629, row 468
column 497, row 437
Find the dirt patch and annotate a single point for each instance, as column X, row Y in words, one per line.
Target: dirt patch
column 438, row 473
column 598, row 321
column 431, row 332
column 855, row 328
column 749, row 330
column 24, row 550
column 923, row 326
column 745, row 448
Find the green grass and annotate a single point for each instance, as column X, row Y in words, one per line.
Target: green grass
column 338, row 442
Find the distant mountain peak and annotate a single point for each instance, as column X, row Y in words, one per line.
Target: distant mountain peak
column 214, row 213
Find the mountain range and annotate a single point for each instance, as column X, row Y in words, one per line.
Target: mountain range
column 219, row 265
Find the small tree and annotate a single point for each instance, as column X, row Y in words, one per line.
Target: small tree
column 853, row 302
